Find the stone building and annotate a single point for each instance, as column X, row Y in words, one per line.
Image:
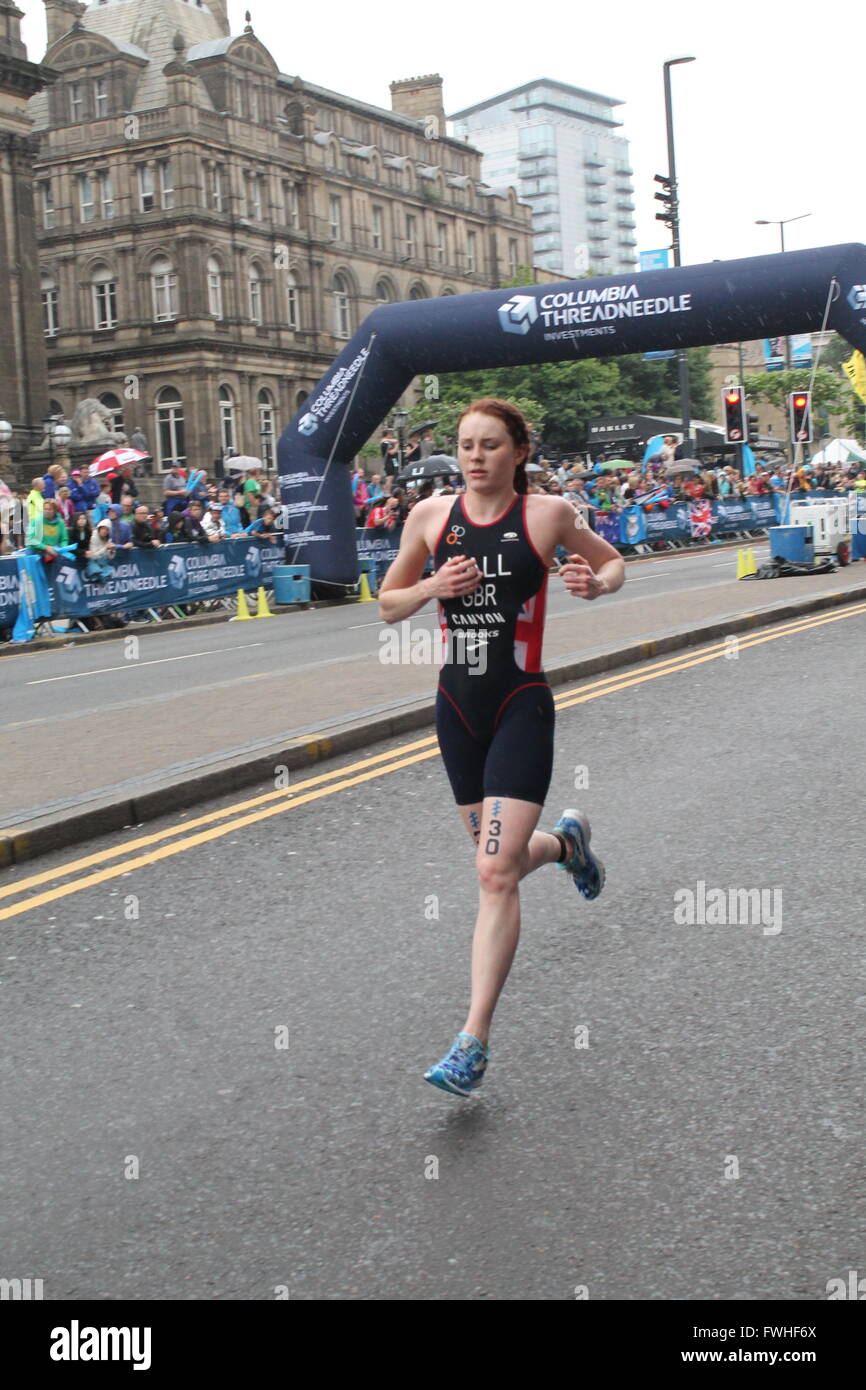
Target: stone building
column 212, row 230
column 23, row 373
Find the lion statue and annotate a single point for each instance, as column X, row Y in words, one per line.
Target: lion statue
column 93, row 423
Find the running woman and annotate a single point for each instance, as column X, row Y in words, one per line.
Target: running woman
column 492, row 549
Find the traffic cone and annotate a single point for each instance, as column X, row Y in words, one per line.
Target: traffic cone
column 263, row 609
column 243, row 614
column 365, row 595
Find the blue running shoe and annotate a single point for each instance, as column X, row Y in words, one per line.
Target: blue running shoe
column 461, row 1070
column 585, row 868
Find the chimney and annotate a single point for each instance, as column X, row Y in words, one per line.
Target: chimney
column 220, row 11
column 60, row 16
column 420, row 97
column 11, row 44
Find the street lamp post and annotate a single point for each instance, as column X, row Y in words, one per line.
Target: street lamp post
column 682, row 359
column 782, row 223
column 400, row 418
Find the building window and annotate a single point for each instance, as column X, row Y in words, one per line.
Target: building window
column 112, row 403
column 441, row 243
column 47, row 204
column 293, row 317
column 266, row 428
column 227, row 418
column 255, row 196
column 170, row 429
column 292, row 205
column 214, row 288
column 86, row 202
column 164, row 289
column 215, row 185
column 106, row 195
column 512, row 256
column 418, row 292
column 76, row 101
column 336, row 205
column 410, row 236
column 146, row 196
column 378, row 240
column 50, row 308
column 471, row 252
column 342, row 318
column 383, row 292
column 100, row 96
column 104, row 293
column 255, row 288
column 254, row 104
column 166, row 183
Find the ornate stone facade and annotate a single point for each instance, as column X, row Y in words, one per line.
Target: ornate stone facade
column 211, row 230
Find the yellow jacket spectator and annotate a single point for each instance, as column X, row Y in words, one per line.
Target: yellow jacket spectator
column 47, row 532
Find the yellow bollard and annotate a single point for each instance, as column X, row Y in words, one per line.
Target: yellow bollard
column 263, row 609
column 243, row 614
column 751, row 567
column 741, row 564
column 365, row 595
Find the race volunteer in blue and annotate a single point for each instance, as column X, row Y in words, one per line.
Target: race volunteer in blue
column 492, row 550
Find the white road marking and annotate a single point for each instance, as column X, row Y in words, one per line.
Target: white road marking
column 136, row 665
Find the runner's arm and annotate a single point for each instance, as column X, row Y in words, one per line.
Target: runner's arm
column 586, row 549
column 403, row 591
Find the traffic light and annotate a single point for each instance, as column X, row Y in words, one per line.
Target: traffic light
column 734, row 414
column 753, row 428
column 800, row 416
column 669, row 198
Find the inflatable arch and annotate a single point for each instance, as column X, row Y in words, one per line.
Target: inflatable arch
column 690, row 306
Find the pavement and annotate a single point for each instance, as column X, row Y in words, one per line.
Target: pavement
column 188, row 738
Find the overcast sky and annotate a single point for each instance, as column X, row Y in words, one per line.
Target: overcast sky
column 769, row 119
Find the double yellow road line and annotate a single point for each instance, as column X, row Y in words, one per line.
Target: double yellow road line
column 146, row 850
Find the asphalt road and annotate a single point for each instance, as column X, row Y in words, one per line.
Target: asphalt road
column 706, row 1143
column 61, row 686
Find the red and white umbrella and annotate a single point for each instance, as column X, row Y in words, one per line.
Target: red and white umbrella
column 115, row 459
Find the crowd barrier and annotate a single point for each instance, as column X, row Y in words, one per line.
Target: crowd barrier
column 180, row 574
column 140, row 579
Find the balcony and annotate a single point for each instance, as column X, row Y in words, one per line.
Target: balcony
column 594, row 163
column 593, row 181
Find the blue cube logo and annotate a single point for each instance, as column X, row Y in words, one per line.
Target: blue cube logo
column 857, row 298
column 519, row 314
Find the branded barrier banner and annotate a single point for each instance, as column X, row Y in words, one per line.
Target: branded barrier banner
column 9, row 591
column 172, row 574
column 607, row 526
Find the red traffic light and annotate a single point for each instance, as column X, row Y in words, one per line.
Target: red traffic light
column 733, row 397
column 800, row 401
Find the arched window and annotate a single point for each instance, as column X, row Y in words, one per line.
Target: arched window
column 384, row 293
column 293, row 308
column 255, row 292
column 342, row 315
column 266, row 427
column 418, row 292
column 113, row 403
column 163, row 282
column 300, row 398
column 445, row 292
column 50, row 307
column 214, row 288
column 227, row 418
column 293, row 114
column 103, row 290
column 170, row 429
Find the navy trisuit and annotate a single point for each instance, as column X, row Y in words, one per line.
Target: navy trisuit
column 495, row 728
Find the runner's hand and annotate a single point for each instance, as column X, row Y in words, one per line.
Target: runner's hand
column 459, row 575
column 580, row 579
